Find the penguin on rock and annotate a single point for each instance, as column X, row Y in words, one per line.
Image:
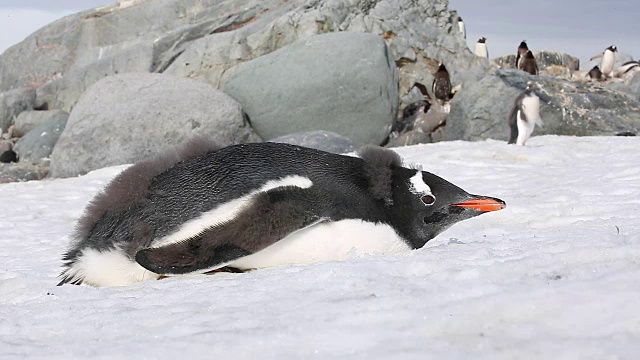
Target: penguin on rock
column 524, row 115
column 608, row 60
column 206, row 208
column 522, row 50
column 481, row 48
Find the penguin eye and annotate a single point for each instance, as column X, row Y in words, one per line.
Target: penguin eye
column 428, row 199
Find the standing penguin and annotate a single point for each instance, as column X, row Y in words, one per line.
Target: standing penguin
column 522, row 50
column 529, row 64
column 481, row 48
column 441, row 86
column 608, row 60
column 462, row 28
column 524, row 115
column 595, row 73
column 258, row 205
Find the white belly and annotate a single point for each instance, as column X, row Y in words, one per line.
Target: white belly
column 339, row 240
column 481, row 50
column 608, row 59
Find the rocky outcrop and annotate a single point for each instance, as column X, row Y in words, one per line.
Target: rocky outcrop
column 12, row 103
column 29, row 120
column 36, row 146
column 544, row 59
column 340, row 82
column 321, row 140
column 567, row 108
column 125, row 118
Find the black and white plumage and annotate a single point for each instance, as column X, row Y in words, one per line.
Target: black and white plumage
column 462, row 28
column 522, row 50
column 608, row 60
column 628, row 67
column 529, row 64
column 481, row 48
column 595, row 74
column 524, row 115
column 258, row 205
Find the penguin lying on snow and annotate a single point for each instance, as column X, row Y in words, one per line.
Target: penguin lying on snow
column 258, row 205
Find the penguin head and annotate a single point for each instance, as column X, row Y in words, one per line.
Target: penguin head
column 482, row 40
column 459, row 18
column 523, row 48
column 529, row 55
column 612, row 48
column 441, row 67
column 425, row 205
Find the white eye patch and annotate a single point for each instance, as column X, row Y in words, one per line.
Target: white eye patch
column 419, row 187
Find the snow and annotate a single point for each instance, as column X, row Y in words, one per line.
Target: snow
column 554, row 275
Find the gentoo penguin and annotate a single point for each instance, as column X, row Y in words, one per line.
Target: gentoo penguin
column 441, row 86
column 410, row 115
column 461, row 27
column 258, row 205
column 529, row 64
column 522, row 49
column 627, row 67
column 481, row 48
column 595, row 73
column 525, row 115
column 608, row 60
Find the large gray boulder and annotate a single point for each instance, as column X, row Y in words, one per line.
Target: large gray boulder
column 544, row 59
column 12, row 103
column 125, row 118
column 37, row 144
column 29, row 120
column 320, row 140
column 340, row 82
column 567, row 108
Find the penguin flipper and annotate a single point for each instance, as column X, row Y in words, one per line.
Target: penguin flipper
column 271, row 216
column 598, row 56
column 513, row 125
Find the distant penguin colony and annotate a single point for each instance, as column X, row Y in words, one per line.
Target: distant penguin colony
column 258, row 205
column 524, row 115
column 481, row 48
column 522, row 50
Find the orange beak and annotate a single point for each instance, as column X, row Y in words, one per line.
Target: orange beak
column 483, row 204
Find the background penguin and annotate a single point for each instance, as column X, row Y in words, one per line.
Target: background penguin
column 441, row 86
column 522, row 50
column 595, row 73
column 608, row 60
column 481, row 48
column 410, row 114
column 626, row 68
column 258, row 205
column 529, row 63
column 462, row 28
column 524, row 115
column 8, row 156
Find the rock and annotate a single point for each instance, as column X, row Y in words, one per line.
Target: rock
column 124, row 118
column 29, row 120
column 12, row 103
column 412, row 137
column 339, row 82
column 72, row 53
column 544, row 59
column 567, row 108
column 37, row 144
column 21, row 172
column 320, row 140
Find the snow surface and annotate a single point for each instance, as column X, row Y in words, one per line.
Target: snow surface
column 554, row 275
